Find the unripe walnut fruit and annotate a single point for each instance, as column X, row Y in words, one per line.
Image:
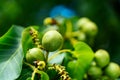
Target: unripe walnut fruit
column 52, row 40
column 112, row 70
column 102, row 58
column 35, row 54
column 87, row 26
column 95, row 72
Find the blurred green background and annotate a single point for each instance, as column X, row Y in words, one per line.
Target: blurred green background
column 105, row 13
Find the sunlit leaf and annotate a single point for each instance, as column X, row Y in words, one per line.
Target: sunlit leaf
column 44, row 76
column 76, row 71
column 11, row 54
column 84, row 55
column 83, row 52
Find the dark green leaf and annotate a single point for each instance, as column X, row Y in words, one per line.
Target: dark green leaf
column 29, row 78
column 53, row 75
column 84, row 55
column 26, row 73
column 11, row 54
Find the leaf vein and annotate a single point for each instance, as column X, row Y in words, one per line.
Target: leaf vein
column 9, row 60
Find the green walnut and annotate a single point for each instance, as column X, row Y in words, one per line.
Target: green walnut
column 87, row 26
column 102, row 58
column 90, row 28
column 104, row 77
column 95, row 72
column 52, row 40
column 112, row 70
column 81, row 36
column 93, row 63
column 82, row 21
column 35, row 54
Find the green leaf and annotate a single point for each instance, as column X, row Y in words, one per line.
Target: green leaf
column 82, row 46
column 52, row 74
column 76, row 71
column 26, row 73
column 44, row 76
column 57, row 59
column 84, row 55
column 27, row 42
column 29, row 78
column 11, row 54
